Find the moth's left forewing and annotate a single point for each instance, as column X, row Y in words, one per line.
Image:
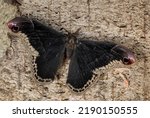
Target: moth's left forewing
column 48, row 42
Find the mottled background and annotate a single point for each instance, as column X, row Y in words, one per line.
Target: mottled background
column 125, row 22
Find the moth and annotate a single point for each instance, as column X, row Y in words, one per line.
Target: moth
column 53, row 47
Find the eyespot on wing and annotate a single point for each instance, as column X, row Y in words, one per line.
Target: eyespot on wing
column 20, row 24
column 128, row 57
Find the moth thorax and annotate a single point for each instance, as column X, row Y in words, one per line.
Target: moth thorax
column 71, row 45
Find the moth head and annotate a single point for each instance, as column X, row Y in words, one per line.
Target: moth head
column 20, row 24
column 127, row 56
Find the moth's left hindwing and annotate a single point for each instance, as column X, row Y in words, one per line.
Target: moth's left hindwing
column 88, row 56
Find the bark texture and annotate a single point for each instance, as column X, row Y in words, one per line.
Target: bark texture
column 124, row 22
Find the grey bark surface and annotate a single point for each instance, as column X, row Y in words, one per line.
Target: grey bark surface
column 124, row 22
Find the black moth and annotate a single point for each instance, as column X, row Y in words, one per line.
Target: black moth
column 53, row 47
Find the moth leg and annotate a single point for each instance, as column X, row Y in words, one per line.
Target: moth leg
column 120, row 71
